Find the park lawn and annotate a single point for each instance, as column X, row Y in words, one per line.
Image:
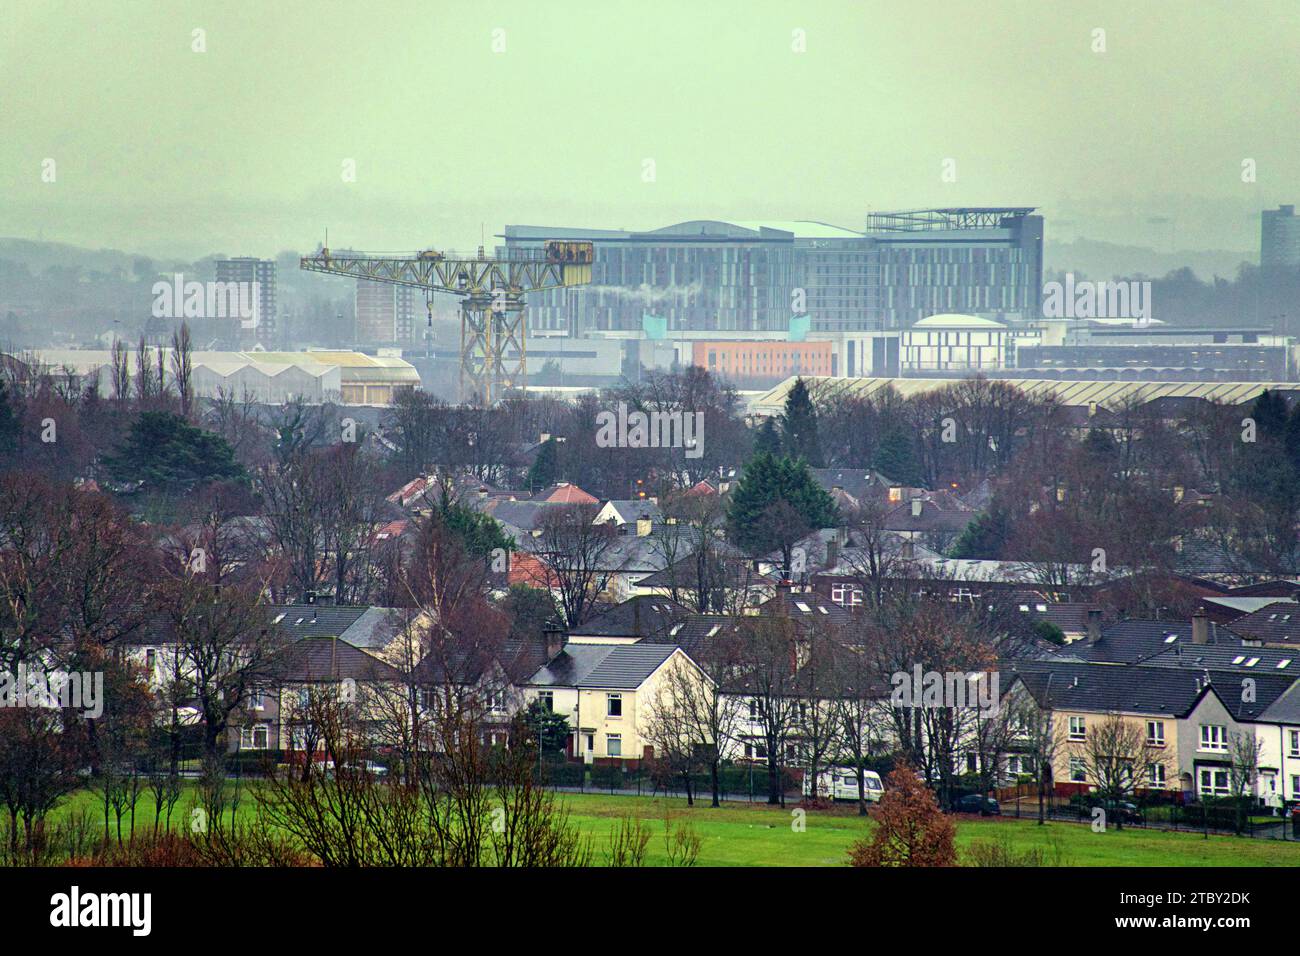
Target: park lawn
column 744, row 834
column 740, row 834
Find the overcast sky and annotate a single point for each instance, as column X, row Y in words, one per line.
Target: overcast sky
column 243, row 148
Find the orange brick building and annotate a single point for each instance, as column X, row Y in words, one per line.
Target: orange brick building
column 763, row 359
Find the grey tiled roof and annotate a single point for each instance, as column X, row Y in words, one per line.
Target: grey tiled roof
column 635, row 617
column 1143, row 689
column 1276, row 623
column 320, row 659
column 616, row 666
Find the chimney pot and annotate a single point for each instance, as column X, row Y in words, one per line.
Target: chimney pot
column 1094, row 625
column 1200, row 627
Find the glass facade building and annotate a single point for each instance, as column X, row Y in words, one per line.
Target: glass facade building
column 740, row 276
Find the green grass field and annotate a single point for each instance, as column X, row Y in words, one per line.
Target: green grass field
column 741, row 834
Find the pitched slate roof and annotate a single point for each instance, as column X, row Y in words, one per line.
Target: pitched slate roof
column 861, row 483
column 635, row 617
column 322, row 659
column 1128, row 642
column 364, row 627
column 1275, row 623
column 614, row 666
column 935, row 516
column 1142, row 689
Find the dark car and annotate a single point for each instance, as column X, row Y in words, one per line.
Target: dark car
column 1126, row 811
column 978, row 803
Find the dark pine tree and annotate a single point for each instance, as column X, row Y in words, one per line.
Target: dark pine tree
column 545, row 470
column 799, row 426
column 895, row 457
column 767, row 482
column 768, row 441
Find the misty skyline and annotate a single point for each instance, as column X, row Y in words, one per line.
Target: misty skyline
column 456, row 128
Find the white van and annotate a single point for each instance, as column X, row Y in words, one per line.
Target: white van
column 841, row 783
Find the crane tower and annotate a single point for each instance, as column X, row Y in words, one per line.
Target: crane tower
column 493, row 330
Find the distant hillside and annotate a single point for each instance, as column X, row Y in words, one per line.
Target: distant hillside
column 39, row 256
column 1105, row 260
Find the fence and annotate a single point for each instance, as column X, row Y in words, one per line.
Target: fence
column 644, row 778
column 1218, row 818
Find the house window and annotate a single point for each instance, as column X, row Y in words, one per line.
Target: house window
column 614, row 745
column 547, row 699
column 1078, row 728
column 496, row 702
column 1078, row 770
column 1156, row 733
column 256, row 700
column 1214, row 737
column 613, row 705
column 1156, row 775
column 1294, row 736
column 1214, row 783
column 150, row 658
column 849, row 594
column 256, row 737
column 1295, row 785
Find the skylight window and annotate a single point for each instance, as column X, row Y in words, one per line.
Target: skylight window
column 714, row 630
column 1171, row 638
column 1252, row 662
column 278, row 618
column 676, row 628
column 803, row 607
column 1283, row 663
column 1239, row 658
column 823, row 609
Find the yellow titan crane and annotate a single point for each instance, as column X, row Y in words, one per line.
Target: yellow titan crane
column 493, row 331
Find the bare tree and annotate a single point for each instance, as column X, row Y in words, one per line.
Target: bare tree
column 579, row 559
column 1116, row 758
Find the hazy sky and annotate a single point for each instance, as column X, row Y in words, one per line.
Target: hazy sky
column 242, row 148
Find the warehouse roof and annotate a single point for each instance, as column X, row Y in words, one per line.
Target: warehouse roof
column 1066, row 392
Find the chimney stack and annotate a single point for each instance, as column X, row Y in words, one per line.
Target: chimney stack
column 1094, row 626
column 1200, row 627
column 555, row 638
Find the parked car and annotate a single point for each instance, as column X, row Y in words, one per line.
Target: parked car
column 1125, row 810
column 841, row 783
column 978, row 803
